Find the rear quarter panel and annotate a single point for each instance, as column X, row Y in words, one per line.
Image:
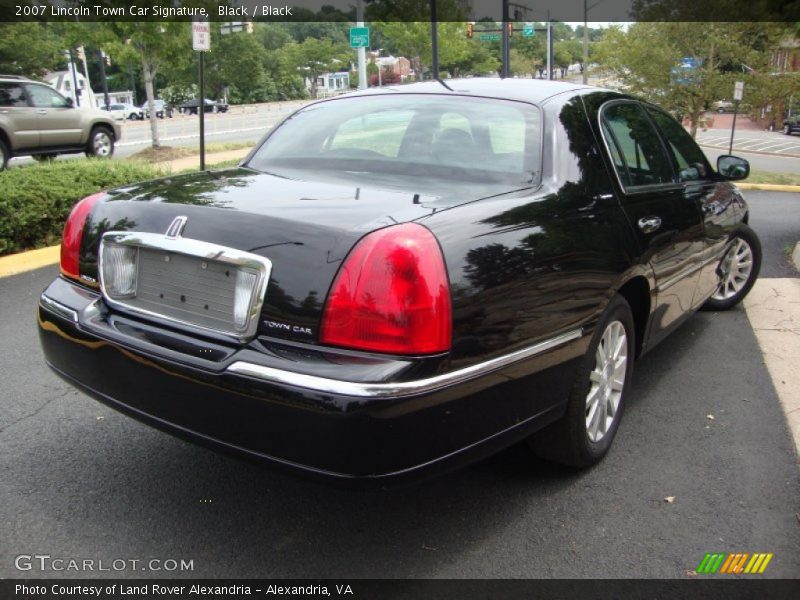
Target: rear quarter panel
column 528, row 265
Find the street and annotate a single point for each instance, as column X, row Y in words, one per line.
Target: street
column 702, row 427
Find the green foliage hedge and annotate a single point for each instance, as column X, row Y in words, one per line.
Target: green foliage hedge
column 35, row 200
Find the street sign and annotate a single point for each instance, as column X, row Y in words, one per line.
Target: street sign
column 489, row 37
column 359, row 37
column 201, row 36
column 738, row 90
column 528, row 30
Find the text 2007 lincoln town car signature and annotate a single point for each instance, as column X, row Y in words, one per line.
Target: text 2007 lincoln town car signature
column 397, row 282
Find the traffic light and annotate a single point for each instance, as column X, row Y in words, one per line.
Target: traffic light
column 510, row 29
column 81, row 55
column 249, row 27
column 470, row 30
column 107, row 58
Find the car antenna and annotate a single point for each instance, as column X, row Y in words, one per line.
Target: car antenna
column 439, row 79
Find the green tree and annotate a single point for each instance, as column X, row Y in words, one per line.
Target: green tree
column 29, row 49
column 645, row 60
column 314, row 57
column 152, row 44
column 413, row 40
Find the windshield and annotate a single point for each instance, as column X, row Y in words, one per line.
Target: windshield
column 453, row 138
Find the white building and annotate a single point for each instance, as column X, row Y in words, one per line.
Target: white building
column 330, row 84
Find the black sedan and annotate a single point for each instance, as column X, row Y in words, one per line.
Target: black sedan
column 192, row 107
column 400, row 281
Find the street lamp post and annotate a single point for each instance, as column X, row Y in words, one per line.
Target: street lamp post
column 586, row 9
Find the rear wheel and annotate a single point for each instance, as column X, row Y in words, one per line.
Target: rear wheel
column 594, row 409
column 787, row 129
column 738, row 270
column 101, row 143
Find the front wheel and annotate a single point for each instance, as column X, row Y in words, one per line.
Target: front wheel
column 101, row 143
column 594, row 408
column 738, row 270
column 787, row 130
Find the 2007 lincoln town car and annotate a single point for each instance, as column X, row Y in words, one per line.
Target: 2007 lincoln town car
column 399, row 281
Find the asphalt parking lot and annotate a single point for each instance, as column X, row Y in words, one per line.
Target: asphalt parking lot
column 703, row 427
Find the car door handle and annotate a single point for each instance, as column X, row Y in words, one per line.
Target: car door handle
column 649, row 224
column 42, row 111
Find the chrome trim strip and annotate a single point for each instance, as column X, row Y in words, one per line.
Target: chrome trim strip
column 58, row 308
column 199, row 249
column 684, row 274
column 399, row 389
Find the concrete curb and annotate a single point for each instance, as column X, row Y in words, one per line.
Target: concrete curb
column 796, row 256
column 769, row 187
column 14, row 264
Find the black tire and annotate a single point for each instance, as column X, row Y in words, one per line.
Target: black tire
column 5, row 155
column 787, row 130
column 101, row 142
column 736, row 283
column 45, row 157
column 568, row 441
column 133, row 117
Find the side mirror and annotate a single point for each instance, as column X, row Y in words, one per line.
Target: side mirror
column 70, row 102
column 732, row 167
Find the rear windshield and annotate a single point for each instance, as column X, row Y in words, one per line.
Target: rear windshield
column 453, row 138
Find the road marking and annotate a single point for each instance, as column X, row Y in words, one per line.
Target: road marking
column 773, row 308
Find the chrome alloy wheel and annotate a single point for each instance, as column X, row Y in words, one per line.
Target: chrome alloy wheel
column 736, row 266
column 607, row 380
column 101, row 144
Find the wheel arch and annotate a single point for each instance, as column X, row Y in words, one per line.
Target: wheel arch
column 637, row 294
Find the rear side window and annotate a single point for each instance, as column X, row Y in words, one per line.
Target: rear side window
column 12, row 94
column 45, row 97
column 691, row 161
column 634, row 145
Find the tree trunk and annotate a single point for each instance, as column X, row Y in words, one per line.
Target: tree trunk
column 149, row 71
column 694, row 119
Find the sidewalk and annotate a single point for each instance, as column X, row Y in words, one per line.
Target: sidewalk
column 193, row 162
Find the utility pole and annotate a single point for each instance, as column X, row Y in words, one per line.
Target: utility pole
column 74, row 78
column 586, row 10
column 549, row 48
column 362, row 52
column 585, row 70
column 434, row 42
column 506, row 42
column 103, row 77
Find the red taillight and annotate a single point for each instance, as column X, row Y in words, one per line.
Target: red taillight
column 391, row 295
column 73, row 234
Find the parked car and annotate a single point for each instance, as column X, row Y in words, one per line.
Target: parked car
column 124, row 111
column 723, row 106
column 161, row 108
column 394, row 284
column 191, row 106
column 791, row 125
column 36, row 120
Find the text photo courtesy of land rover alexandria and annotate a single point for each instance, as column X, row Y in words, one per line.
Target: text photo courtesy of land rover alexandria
column 400, row 281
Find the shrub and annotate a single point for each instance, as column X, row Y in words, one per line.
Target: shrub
column 35, row 200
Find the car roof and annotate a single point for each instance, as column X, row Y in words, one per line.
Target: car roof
column 526, row 90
